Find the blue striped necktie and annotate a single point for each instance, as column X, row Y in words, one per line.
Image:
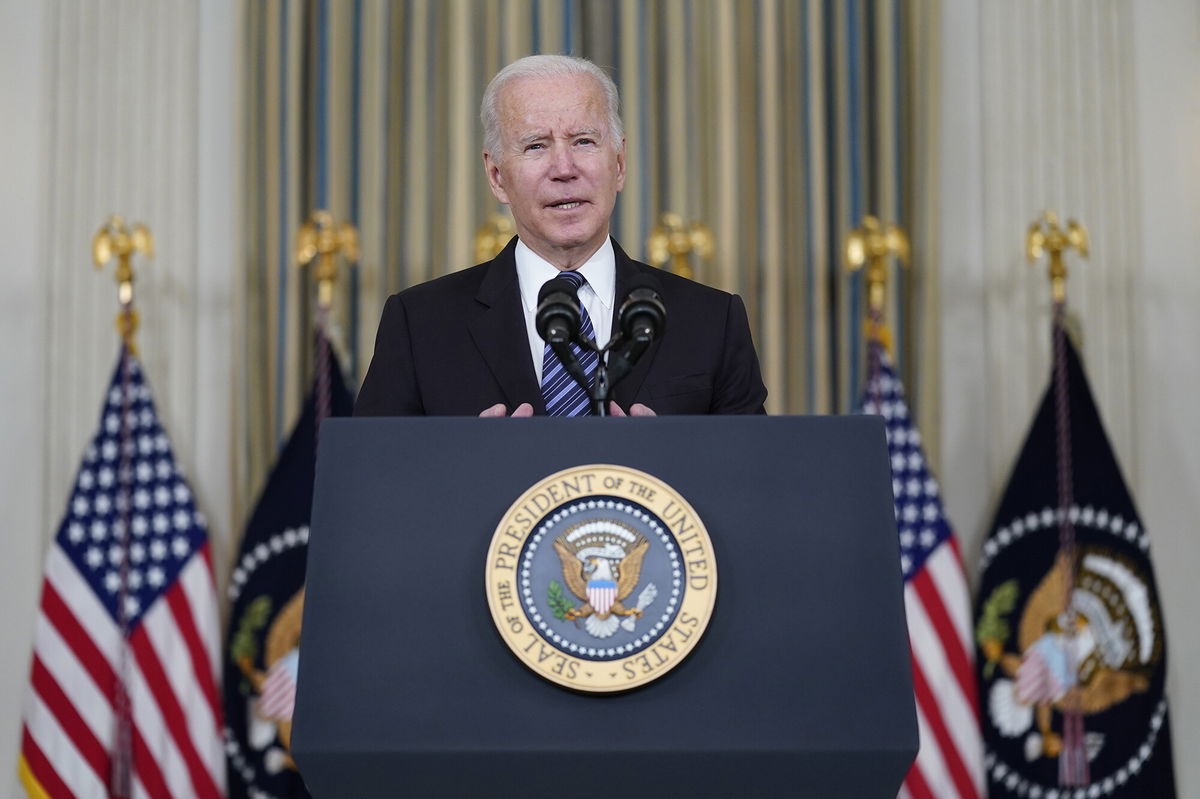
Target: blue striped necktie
column 564, row 396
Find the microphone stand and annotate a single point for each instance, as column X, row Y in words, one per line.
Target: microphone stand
column 600, row 392
column 601, row 388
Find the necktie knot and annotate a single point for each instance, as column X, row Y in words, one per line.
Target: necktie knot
column 574, row 277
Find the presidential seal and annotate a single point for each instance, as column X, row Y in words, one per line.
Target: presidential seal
column 601, row 578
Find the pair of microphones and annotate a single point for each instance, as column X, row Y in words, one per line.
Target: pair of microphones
column 641, row 319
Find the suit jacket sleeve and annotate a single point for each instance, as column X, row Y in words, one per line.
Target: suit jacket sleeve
column 390, row 387
column 738, row 387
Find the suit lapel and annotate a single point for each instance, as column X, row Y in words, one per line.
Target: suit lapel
column 627, row 270
column 499, row 332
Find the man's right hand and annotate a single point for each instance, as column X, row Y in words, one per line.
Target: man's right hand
column 500, row 409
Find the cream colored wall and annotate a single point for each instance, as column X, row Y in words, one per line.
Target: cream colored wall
column 1165, row 461
column 22, row 357
column 1092, row 109
column 129, row 112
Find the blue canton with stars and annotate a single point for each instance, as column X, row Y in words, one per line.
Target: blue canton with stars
column 920, row 519
column 165, row 528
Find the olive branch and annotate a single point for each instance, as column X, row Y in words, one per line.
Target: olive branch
column 993, row 623
column 559, row 604
column 245, row 642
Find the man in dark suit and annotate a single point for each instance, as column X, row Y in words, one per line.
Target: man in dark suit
column 465, row 344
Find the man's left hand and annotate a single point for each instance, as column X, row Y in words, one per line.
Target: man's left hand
column 636, row 409
column 500, row 410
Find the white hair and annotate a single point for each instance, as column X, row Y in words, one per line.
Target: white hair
column 545, row 66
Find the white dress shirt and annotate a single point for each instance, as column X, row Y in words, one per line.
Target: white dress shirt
column 597, row 294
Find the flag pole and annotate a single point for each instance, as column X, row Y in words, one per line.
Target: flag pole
column 320, row 240
column 870, row 245
column 1045, row 236
column 116, row 240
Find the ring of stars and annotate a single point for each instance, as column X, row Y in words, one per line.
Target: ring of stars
column 1100, row 520
column 564, row 514
column 290, row 538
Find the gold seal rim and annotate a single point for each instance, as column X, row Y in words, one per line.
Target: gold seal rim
column 501, row 578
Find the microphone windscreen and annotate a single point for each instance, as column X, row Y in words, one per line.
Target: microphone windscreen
column 558, row 312
column 643, row 308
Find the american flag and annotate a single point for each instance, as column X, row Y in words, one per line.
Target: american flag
column 937, row 604
column 123, row 682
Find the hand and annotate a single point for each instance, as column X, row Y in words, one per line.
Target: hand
column 500, row 409
column 636, row 409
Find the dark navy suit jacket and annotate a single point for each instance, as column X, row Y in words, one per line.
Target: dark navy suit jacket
column 458, row 344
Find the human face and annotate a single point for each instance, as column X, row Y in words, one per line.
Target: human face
column 558, row 169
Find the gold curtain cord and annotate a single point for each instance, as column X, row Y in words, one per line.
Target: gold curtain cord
column 321, row 240
column 673, row 241
column 1046, row 236
column 116, row 239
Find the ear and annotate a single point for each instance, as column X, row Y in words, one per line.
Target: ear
column 495, row 179
column 621, row 166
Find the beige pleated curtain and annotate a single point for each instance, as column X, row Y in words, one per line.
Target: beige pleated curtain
column 778, row 123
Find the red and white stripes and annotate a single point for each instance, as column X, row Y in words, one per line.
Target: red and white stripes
column 69, row 712
column 950, row 760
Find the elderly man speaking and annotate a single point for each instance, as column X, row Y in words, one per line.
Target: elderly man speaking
column 466, row 343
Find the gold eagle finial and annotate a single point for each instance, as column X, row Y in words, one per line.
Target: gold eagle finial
column 1046, row 236
column 116, row 239
column 319, row 238
column 871, row 243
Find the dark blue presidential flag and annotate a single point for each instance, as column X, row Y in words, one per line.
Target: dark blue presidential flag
column 1072, row 657
column 267, row 595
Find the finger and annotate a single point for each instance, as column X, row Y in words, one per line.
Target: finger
column 495, row 411
column 638, row 409
column 614, row 409
column 524, row 409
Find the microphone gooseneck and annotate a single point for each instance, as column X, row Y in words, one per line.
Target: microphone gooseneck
column 642, row 318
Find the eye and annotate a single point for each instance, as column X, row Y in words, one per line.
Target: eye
column 585, row 140
column 534, row 146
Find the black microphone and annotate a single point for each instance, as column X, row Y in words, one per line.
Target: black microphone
column 557, row 321
column 642, row 317
column 558, row 316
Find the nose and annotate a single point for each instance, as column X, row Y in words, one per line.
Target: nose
column 562, row 163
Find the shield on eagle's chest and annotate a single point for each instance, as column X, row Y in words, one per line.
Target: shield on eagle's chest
column 601, row 594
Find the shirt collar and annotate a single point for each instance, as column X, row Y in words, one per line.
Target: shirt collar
column 600, row 270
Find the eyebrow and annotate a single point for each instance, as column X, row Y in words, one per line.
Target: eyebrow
column 535, row 137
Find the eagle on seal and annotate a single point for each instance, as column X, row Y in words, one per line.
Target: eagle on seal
column 602, row 584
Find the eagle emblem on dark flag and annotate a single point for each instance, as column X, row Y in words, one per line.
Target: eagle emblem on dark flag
column 1072, row 655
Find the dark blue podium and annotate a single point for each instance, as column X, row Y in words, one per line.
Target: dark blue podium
column 801, row 685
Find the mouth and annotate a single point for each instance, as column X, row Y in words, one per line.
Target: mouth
column 565, row 205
